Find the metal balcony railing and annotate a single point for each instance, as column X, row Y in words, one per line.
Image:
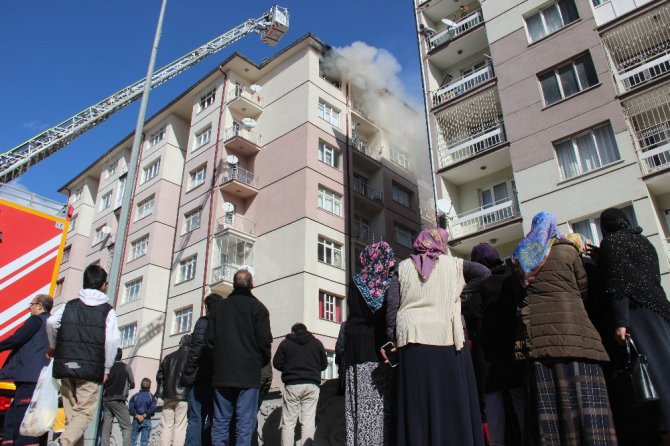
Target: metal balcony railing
column 360, row 108
column 224, row 273
column 463, row 84
column 365, row 148
column 364, row 189
column 238, row 92
column 237, row 222
column 241, row 175
column 484, row 217
column 452, row 32
column 365, row 235
column 475, row 144
column 654, row 144
column 242, row 132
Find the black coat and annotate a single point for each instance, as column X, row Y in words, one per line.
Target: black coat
column 300, row 358
column 239, row 336
column 364, row 332
column 29, row 347
column 198, row 368
column 169, row 373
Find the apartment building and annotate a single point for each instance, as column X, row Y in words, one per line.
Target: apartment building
column 556, row 105
column 277, row 165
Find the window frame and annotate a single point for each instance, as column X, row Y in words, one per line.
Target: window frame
column 135, row 247
column 66, row 254
column 151, row 171
column 189, row 219
column 576, row 152
column 327, row 195
column 330, row 307
column 99, row 235
column 193, row 176
column 142, row 205
column 105, row 201
column 326, row 150
column 187, row 269
column 132, row 290
column 540, row 11
column 399, row 157
column 124, row 340
column 73, row 223
column 199, row 139
column 397, row 190
column 156, row 137
column 554, row 71
column 187, row 314
column 331, row 249
column 329, row 114
column 206, row 100
column 397, row 228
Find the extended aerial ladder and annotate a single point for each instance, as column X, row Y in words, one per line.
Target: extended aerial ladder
column 271, row 26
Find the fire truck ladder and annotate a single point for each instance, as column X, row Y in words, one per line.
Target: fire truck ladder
column 271, row 26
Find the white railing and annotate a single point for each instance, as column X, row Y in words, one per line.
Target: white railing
column 462, row 85
column 645, row 72
column 452, row 32
column 360, row 108
column 223, row 273
column 364, row 189
column 237, row 222
column 365, row 235
column 242, row 132
column 365, row 148
column 654, row 147
column 241, row 175
column 480, row 142
column 239, row 92
column 483, row 217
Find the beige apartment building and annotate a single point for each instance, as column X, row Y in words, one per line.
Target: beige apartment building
column 277, row 165
column 558, row 105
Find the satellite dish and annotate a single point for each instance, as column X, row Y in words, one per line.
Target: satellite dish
column 249, row 123
column 444, row 206
column 255, row 88
column 232, row 160
column 449, row 23
column 228, row 208
column 106, row 230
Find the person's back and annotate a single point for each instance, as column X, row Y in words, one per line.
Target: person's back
column 142, row 407
column 173, row 393
column 114, row 397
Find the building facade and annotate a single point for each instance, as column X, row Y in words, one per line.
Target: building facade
column 281, row 166
column 556, row 105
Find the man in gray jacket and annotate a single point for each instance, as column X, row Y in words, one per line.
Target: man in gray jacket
column 114, row 400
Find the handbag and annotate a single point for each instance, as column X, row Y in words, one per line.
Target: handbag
column 633, row 387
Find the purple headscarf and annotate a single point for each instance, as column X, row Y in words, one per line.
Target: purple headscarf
column 428, row 246
column 486, row 255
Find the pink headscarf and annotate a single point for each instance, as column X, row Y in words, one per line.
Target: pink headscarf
column 428, row 246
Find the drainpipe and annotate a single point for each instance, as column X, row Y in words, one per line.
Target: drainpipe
column 347, row 222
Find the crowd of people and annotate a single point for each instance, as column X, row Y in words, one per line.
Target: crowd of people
column 436, row 350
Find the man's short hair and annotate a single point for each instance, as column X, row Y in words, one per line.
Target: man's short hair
column 119, row 354
column 145, row 384
column 242, row 279
column 209, row 300
column 46, row 301
column 185, row 340
column 298, row 327
column 94, row 277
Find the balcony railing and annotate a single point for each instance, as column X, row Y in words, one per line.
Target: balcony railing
column 237, row 222
column 239, row 92
column 364, row 189
column 241, row 175
column 654, row 146
column 483, row 217
column 242, row 132
column 475, row 144
column 463, row 84
column 365, row 148
column 224, row 273
column 452, row 32
column 360, row 108
column 365, row 235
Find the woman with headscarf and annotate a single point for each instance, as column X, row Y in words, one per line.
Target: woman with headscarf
column 492, row 326
column 437, row 392
column 630, row 268
column 566, row 381
column 368, row 379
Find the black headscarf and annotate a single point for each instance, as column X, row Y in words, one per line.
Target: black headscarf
column 630, row 264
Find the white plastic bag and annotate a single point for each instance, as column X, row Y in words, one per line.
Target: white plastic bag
column 43, row 406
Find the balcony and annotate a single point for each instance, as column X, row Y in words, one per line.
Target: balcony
column 242, row 140
column 484, row 218
column 459, row 86
column 362, row 146
column 245, row 102
column 239, row 182
column 224, row 273
column 237, row 223
column 472, row 145
column 364, row 235
column 454, row 32
column 359, row 108
column 230, row 251
column 363, row 189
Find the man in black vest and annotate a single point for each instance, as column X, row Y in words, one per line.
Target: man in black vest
column 83, row 339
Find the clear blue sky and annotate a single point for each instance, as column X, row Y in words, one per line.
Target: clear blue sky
column 59, row 57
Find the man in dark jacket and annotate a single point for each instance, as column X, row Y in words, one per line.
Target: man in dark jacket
column 142, row 407
column 114, row 400
column 197, row 376
column 300, row 358
column 240, row 338
column 29, row 345
column 173, row 393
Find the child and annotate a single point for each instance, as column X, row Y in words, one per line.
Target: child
column 142, row 407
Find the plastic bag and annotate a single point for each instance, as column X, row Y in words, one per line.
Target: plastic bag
column 43, row 406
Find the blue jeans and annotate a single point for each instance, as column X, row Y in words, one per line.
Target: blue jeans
column 143, row 430
column 199, row 428
column 232, row 402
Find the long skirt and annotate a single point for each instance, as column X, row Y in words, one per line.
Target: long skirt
column 572, row 404
column 437, row 397
column 367, row 402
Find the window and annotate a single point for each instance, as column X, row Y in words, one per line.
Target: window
column 331, row 370
column 73, row 223
column 139, row 247
column 76, row 196
column 106, row 201
column 586, row 152
column 145, row 207
column 120, row 191
column 566, row 80
column 401, row 195
column 66, row 254
column 494, row 194
column 192, row 220
column 400, row 158
column 600, row 2
column 329, row 114
column 330, row 307
column 151, row 171
column 59, row 287
column 329, row 154
column 197, row 177
column 157, row 137
column 182, row 320
column 550, row 19
column 133, row 289
column 590, row 227
column 202, row 137
column 206, row 100
column 330, row 252
column 404, row 236
column 128, row 335
column 330, row 201
column 99, row 235
column 187, row 269
column 110, row 168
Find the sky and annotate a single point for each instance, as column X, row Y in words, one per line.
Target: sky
column 60, row 57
